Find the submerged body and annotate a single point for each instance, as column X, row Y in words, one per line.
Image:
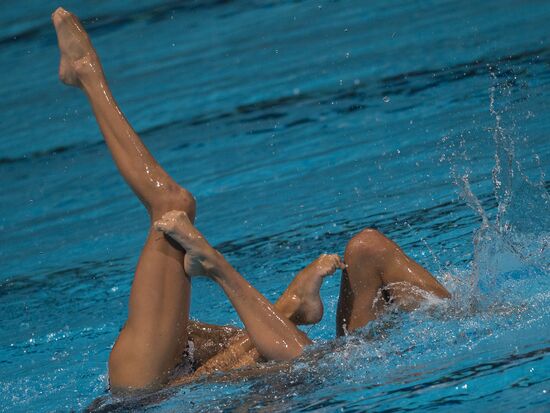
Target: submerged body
column 155, row 338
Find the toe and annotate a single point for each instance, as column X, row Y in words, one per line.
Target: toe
column 59, row 14
column 65, row 19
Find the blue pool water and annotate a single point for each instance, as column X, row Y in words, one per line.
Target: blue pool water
column 295, row 124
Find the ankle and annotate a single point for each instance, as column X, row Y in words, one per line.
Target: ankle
column 89, row 72
column 213, row 263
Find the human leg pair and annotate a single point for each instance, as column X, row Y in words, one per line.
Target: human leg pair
column 155, row 335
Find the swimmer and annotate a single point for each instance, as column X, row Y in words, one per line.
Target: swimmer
column 159, row 344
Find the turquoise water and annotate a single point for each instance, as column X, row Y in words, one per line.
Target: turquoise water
column 295, row 124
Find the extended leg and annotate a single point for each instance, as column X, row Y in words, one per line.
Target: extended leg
column 377, row 265
column 80, row 67
column 154, row 337
column 274, row 336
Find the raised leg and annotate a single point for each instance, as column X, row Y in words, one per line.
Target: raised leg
column 274, row 335
column 377, row 267
column 155, row 334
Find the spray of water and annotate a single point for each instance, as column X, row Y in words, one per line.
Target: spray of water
column 516, row 239
column 504, row 288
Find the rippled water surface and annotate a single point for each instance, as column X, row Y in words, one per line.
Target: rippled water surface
column 295, row 124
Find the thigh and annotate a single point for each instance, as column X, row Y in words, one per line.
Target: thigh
column 379, row 271
column 407, row 282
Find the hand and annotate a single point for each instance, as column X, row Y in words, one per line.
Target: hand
column 326, row 264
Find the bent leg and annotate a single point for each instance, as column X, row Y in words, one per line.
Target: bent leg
column 155, row 335
column 377, row 266
column 300, row 302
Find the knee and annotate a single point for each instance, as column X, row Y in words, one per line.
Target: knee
column 174, row 198
column 369, row 245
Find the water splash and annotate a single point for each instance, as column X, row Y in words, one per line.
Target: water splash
column 515, row 240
